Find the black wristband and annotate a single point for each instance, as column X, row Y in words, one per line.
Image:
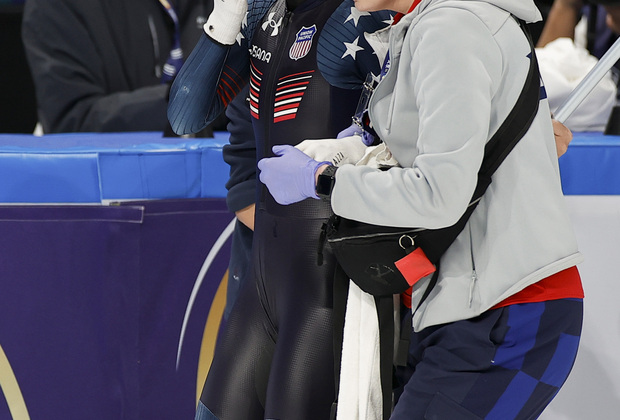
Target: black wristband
column 325, row 183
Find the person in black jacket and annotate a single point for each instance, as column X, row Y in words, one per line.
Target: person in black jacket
column 98, row 65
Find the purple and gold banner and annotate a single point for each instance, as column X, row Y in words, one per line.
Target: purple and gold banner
column 108, row 312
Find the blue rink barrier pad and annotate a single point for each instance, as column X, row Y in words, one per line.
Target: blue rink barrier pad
column 99, row 167
column 96, row 167
column 591, row 166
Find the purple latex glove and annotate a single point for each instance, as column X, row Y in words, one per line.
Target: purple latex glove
column 290, row 175
column 352, row 130
column 356, row 130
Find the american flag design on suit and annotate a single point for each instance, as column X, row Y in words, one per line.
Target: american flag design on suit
column 344, row 56
column 256, row 78
column 289, row 92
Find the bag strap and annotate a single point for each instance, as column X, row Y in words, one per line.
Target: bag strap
column 341, row 292
column 385, row 316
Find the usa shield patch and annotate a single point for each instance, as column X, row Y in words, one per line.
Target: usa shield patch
column 303, row 43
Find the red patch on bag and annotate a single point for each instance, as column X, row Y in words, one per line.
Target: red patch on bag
column 405, row 297
column 414, row 266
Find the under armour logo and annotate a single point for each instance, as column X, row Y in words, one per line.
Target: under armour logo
column 273, row 24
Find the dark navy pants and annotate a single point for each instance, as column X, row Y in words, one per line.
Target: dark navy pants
column 506, row 364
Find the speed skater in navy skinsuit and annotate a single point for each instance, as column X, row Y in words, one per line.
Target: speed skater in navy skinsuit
column 275, row 358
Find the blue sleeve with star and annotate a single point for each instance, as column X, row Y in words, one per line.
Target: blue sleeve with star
column 344, row 55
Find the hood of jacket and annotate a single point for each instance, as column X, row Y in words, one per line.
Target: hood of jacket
column 522, row 9
column 525, row 10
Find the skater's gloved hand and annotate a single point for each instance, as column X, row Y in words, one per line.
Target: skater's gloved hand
column 336, row 151
column 290, row 175
column 224, row 22
column 356, row 130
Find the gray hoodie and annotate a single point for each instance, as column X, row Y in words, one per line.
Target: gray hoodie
column 456, row 70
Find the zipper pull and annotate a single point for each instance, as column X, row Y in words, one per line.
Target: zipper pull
column 474, row 279
column 287, row 18
column 474, row 275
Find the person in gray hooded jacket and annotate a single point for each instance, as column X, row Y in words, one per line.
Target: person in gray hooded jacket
column 498, row 334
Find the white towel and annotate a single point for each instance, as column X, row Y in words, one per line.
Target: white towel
column 359, row 395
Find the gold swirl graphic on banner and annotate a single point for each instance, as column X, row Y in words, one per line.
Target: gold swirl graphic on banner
column 10, row 388
column 209, row 336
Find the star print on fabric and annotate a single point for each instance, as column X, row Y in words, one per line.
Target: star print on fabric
column 239, row 38
column 355, row 15
column 352, row 48
column 346, row 53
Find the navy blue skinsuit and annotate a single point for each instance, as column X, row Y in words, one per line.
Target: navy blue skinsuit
column 275, row 359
